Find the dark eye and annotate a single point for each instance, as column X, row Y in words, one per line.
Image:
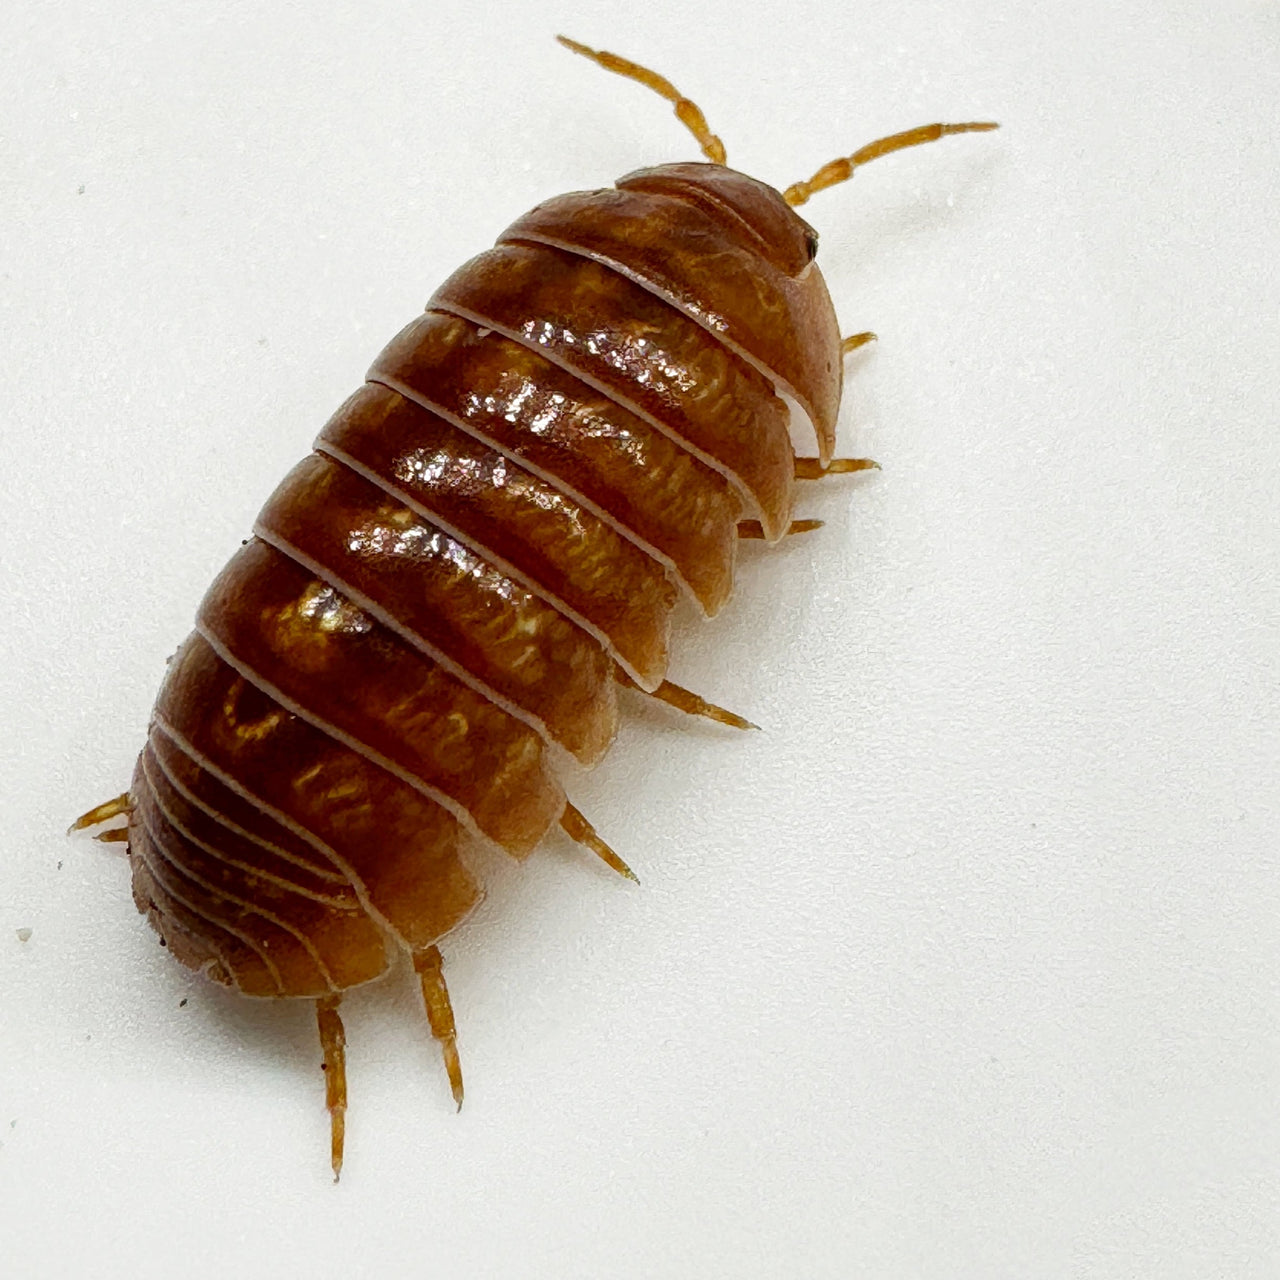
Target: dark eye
column 811, row 243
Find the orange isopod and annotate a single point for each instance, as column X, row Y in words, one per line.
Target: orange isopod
column 486, row 541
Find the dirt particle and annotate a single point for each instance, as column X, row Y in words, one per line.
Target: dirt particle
column 24, row 935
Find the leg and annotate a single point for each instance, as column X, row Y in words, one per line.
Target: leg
column 333, row 1043
column 752, row 529
column 856, row 340
column 812, row 468
column 103, row 813
column 435, row 995
column 579, row 829
column 689, row 114
column 842, row 170
column 688, row 702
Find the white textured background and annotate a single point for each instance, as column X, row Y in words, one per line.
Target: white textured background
column 967, row 967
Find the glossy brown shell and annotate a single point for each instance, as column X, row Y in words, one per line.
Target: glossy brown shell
column 444, row 595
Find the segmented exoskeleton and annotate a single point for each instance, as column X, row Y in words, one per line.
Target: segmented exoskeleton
column 487, row 540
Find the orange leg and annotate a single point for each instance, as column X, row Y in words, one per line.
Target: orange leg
column 103, row 813
column 435, row 995
column 685, row 700
column 333, row 1044
column 689, row 113
column 812, row 468
column 579, row 829
column 752, row 529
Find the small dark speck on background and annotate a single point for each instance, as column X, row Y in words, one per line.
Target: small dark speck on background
column 262, row 342
column 182, row 1003
column 59, row 864
column 24, row 934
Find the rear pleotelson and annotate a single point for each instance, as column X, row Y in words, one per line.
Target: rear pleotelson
column 444, row 596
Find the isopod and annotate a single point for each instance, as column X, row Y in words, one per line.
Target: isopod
column 439, row 603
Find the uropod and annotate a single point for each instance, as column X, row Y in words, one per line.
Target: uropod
column 487, row 541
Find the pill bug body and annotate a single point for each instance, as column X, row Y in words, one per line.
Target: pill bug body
column 440, row 603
